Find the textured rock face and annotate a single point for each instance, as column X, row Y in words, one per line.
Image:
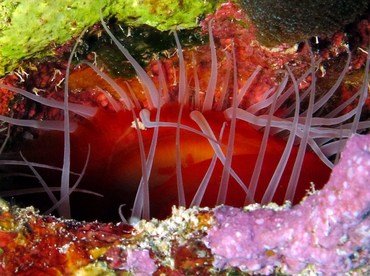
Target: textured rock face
column 291, row 21
column 330, row 229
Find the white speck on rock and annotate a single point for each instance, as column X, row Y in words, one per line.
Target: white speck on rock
column 332, row 198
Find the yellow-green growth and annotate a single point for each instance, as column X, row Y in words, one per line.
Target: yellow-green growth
column 164, row 14
column 32, row 28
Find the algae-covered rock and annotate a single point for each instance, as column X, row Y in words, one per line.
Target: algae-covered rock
column 33, row 28
column 164, row 14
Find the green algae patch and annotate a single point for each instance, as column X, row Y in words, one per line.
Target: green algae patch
column 164, row 14
column 32, row 29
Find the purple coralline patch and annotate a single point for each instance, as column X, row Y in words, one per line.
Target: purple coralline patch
column 137, row 261
column 330, row 230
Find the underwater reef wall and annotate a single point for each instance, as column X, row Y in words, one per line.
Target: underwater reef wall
column 35, row 31
column 327, row 233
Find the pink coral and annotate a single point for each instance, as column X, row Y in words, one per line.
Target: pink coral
column 140, row 262
column 330, row 229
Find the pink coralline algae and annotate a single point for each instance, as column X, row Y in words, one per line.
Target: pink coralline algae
column 140, row 262
column 328, row 232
